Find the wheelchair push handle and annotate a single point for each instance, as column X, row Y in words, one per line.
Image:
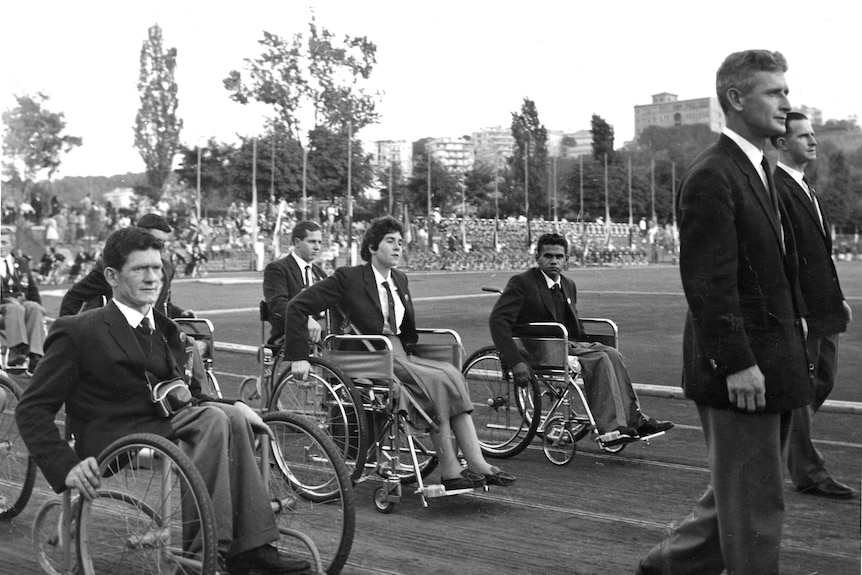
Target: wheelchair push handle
column 492, row 289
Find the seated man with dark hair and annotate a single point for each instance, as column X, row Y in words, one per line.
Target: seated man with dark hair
column 543, row 294
column 98, row 364
column 283, row 279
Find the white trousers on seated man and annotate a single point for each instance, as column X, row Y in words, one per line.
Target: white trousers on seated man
column 24, row 324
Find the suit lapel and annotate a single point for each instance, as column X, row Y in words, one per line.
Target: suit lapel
column 544, row 292
column 120, row 330
column 401, row 283
column 756, row 185
column 371, row 286
column 294, row 270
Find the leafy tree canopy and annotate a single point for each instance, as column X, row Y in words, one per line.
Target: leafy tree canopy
column 33, row 139
column 603, row 138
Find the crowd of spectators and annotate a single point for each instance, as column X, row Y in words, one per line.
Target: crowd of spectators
column 72, row 235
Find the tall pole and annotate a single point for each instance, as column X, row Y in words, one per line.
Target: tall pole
column 496, row 204
column 254, row 265
column 389, row 211
column 607, row 205
column 428, row 219
column 527, row 190
column 198, row 195
column 652, row 188
column 350, row 191
column 272, row 168
column 631, row 215
column 556, row 221
column 304, row 182
column 581, row 187
column 673, row 193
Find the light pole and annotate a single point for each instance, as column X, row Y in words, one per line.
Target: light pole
column 350, row 191
column 527, row 184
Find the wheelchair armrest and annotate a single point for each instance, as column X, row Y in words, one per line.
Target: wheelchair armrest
column 601, row 330
column 441, row 331
column 542, row 329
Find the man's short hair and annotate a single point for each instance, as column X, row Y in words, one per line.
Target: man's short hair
column 738, row 69
column 375, row 234
column 124, row 241
column 791, row 117
column 302, row 229
column 154, row 222
column 552, row 239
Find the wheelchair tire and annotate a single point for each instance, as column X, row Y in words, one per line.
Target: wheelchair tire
column 17, row 468
column 47, row 538
column 248, row 391
column 147, row 517
column 558, row 442
column 382, row 504
column 329, row 398
column 313, row 488
column 505, row 416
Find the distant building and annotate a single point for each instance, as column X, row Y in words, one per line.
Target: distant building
column 667, row 111
column 577, row 144
column 399, row 152
column 454, row 154
column 493, row 144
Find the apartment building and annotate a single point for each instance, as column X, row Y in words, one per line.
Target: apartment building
column 667, row 110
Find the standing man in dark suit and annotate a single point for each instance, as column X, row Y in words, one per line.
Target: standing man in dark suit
column 544, row 294
column 828, row 311
column 744, row 361
column 21, row 307
column 99, row 365
column 89, row 292
column 283, row 279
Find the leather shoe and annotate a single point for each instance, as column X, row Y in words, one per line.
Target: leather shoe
column 653, row 426
column 266, row 560
column 619, row 436
column 467, row 480
column 829, row 488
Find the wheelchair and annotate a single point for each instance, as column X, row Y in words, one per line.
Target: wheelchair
column 17, row 468
column 553, row 406
column 309, row 483
column 201, row 332
column 328, row 397
column 152, row 513
column 395, row 451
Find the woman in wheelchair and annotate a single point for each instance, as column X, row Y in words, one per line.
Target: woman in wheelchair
column 366, row 295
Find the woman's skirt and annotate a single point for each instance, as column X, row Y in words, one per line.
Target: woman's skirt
column 438, row 387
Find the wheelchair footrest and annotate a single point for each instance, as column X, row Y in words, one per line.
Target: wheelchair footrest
column 646, row 438
column 437, row 490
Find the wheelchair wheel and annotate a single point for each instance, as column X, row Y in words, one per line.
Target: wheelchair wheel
column 311, row 485
column 17, row 468
column 426, row 458
column 505, row 415
column 329, row 398
column 382, row 504
column 152, row 512
column 48, row 538
column 248, row 391
column 558, row 442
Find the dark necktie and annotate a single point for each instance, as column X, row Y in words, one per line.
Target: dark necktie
column 814, row 203
column 8, row 269
column 559, row 303
column 393, row 327
column 773, row 197
column 145, row 326
column 307, row 276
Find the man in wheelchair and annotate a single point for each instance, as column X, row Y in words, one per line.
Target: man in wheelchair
column 102, row 364
column 543, row 294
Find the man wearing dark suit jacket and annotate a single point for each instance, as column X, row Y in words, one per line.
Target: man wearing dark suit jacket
column 828, row 311
column 99, row 365
column 283, row 279
column 543, row 294
column 93, row 289
column 744, row 361
column 20, row 306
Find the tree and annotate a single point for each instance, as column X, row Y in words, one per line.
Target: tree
column 320, row 75
column 157, row 127
column 33, row 140
column 531, row 139
column 603, row 138
column 445, row 189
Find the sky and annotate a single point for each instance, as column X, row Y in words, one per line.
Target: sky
column 445, row 68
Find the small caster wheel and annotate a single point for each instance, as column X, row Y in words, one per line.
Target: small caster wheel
column 381, row 502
